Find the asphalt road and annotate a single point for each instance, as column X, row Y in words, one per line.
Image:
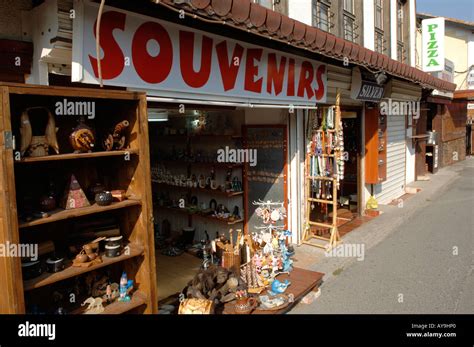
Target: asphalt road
column 425, row 266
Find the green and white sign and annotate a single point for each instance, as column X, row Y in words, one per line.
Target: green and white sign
column 433, row 44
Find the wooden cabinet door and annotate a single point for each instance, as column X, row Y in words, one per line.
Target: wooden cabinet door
column 11, row 284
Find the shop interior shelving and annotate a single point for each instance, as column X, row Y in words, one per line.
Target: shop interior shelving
column 194, row 141
column 127, row 169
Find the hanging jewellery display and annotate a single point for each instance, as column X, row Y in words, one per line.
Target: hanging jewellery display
column 325, row 170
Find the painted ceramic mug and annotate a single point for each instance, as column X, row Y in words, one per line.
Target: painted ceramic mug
column 245, row 305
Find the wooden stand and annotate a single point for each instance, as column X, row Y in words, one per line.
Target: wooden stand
column 334, row 238
column 128, row 170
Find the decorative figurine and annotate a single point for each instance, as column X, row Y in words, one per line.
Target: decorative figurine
column 74, row 196
column 95, row 305
column 125, row 287
column 117, row 139
column 279, row 287
column 37, row 145
column 82, row 138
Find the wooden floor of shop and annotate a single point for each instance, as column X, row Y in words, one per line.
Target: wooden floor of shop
column 174, row 273
column 346, row 222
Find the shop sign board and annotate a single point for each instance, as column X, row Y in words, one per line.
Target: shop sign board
column 370, row 91
column 365, row 90
column 169, row 59
column 433, row 44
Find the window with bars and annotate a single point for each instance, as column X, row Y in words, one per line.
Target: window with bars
column 378, row 11
column 399, row 21
column 350, row 28
column 379, row 41
column 401, row 51
column 322, row 15
column 349, row 6
column 349, row 22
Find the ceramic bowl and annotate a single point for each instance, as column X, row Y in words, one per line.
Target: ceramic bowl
column 104, row 198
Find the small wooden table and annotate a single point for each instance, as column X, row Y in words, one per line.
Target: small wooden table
column 302, row 282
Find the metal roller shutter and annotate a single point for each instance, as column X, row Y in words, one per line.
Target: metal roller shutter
column 394, row 186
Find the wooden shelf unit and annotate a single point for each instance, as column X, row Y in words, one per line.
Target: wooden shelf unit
column 47, row 278
column 131, row 174
column 71, row 156
column 61, row 214
column 138, row 299
column 202, row 190
column 197, row 214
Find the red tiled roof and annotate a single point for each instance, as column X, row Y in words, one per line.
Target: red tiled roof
column 257, row 19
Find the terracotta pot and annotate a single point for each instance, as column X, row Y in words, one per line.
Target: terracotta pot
column 245, row 305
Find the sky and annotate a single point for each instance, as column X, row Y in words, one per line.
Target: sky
column 458, row 9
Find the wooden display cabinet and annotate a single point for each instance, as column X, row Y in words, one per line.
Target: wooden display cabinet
column 127, row 169
column 375, row 146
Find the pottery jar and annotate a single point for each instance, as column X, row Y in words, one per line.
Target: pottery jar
column 112, row 251
column 47, row 203
column 245, row 305
column 104, row 198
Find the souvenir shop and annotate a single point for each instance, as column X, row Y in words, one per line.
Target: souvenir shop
column 186, row 181
column 181, row 179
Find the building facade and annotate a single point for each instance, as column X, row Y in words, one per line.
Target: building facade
column 447, row 114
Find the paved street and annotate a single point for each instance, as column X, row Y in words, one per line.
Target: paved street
column 427, row 262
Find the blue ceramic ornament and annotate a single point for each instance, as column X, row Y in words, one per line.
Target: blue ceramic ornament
column 279, row 287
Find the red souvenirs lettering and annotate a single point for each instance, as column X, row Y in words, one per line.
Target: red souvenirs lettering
column 229, row 70
column 152, row 69
column 251, row 70
column 270, row 68
column 275, row 75
column 195, row 79
column 113, row 60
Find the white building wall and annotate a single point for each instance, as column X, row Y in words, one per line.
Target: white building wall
column 393, row 29
column 470, row 57
column 368, row 20
column 412, row 21
column 300, row 10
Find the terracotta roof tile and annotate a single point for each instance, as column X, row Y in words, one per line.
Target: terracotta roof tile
column 338, row 46
column 320, row 41
column 200, row 4
column 240, row 10
column 330, row 42
column 310, row 36
column 299, row 31
column 258, row 15
column 286, row 28
column 346, row 51
column 221, row 7
column 260, row 19
column 354, row 53
column 373, row 60
column 273, row 21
